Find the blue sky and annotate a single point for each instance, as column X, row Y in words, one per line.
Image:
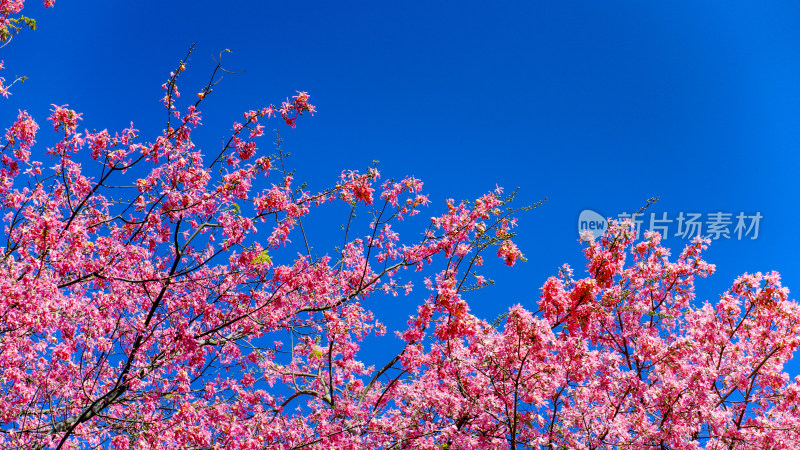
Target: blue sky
column 595, row 105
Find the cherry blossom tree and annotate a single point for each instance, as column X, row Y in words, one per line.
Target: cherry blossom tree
column 147, row 302
column 623, row 358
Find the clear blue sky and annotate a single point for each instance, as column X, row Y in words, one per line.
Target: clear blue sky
column 596, row 105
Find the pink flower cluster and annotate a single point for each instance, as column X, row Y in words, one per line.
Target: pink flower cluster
column 133, row 303
column 139, row 311
column 291, row 110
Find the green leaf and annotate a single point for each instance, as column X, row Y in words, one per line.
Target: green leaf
column 263, row 258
